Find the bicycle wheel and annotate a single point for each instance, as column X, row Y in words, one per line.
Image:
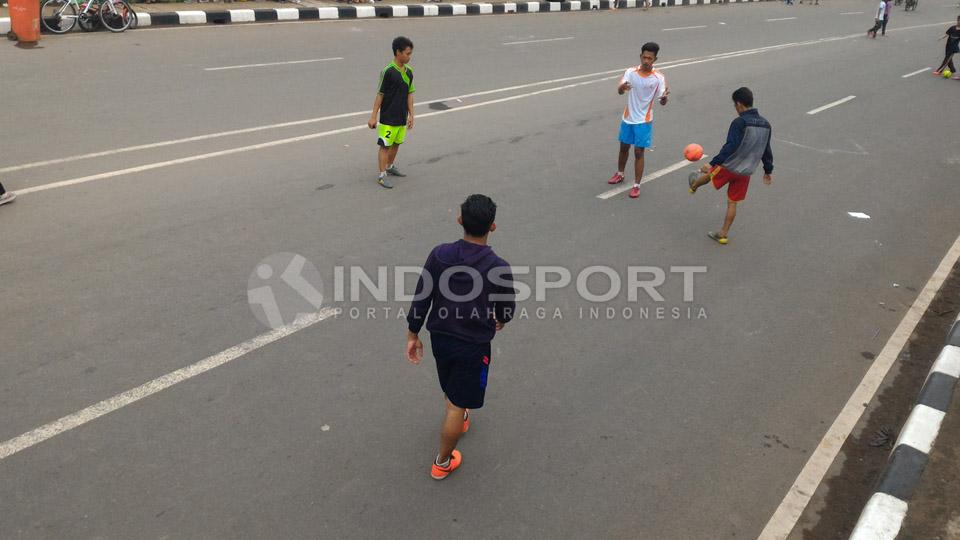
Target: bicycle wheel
column 58, row 16
column 89, row 20
column 116, row 15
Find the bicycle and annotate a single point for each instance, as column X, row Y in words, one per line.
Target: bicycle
column 60, row 16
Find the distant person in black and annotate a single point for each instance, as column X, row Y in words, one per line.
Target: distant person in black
column 953, row 47
column 394, row 102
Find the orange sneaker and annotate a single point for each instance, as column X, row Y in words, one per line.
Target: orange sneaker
column 466, row 420
column 439, row 473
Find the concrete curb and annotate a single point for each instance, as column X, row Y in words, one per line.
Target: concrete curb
column 884, row 512
column 359, row 11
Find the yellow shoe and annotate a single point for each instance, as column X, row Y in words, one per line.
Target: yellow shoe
column 719, row 239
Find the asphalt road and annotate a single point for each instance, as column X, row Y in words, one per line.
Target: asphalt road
column 647, row 427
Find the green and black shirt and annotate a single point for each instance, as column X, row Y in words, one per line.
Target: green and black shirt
column 395, row 86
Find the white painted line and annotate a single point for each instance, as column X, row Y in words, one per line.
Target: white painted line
column 803, row 488
column 781, row 19
column 365, row 12
column 143, row 20
column 921, row 428
column 860, row 151
column 79, row 418
column 538, row 41
column 288, row 14
column 852, row 13
column 333, row 10
column 684, row 28
column 279, row 142
column 4, row 25
column 400, row 11
column 192, row 17
column 485, row 8
column 459, row 9
column 881, row 518
column 274, row 64
column 858, row 215
column 241, row 15
column 829, row 105
column 948, row 362
column 628, row 184
column 325, row 13
column 293, row 123
column 917, row 72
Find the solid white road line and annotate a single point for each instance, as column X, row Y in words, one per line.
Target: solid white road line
column 781, row 19
column 684, row 28
column 917, row 72
column 829, row 105
column 803, row 488
column 274, row 64
column 293, row 123
column 290, row 140
column 628, row 184
column 666, row 65
column 123, row 399
column 538, row 41
column 674, row 63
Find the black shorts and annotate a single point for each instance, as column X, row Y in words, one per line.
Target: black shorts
column 462, row 368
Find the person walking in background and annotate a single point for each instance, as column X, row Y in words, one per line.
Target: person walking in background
column 877, row 19
column 886, row 18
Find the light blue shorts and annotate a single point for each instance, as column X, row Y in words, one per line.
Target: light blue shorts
column 639, row 135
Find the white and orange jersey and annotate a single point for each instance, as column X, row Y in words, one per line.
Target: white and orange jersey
column 645, row 90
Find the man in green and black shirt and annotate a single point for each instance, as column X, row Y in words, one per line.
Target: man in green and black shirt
column 394, row 102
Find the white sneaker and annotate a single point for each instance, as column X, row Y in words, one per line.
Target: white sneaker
column 7, row 197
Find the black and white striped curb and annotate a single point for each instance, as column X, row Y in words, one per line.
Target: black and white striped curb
column 364, row 11
column 884, row 512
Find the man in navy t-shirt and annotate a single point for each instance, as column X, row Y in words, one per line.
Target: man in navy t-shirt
column 465, row 295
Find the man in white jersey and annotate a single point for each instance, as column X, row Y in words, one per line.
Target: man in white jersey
column 878, row 19
column 643, row 85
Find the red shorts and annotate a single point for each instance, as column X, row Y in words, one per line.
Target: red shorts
column 736, row 184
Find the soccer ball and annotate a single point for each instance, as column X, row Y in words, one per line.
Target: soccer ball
column 947, row 73
column 693, row 152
